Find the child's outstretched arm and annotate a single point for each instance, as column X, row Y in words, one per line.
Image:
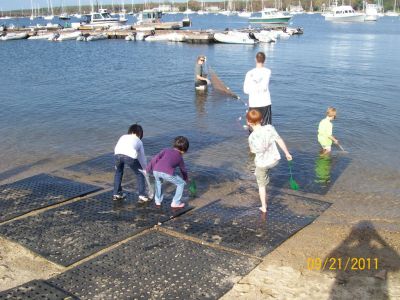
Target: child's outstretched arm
column 183, row 170
column 331, row 137
column 282, row 145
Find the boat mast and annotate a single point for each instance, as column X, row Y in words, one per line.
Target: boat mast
column 31, row 10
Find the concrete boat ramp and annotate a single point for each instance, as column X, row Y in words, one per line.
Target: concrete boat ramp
column 108, row 249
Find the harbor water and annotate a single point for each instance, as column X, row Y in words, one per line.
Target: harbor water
column 71, row 100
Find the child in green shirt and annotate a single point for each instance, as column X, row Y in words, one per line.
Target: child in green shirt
column 325, row 129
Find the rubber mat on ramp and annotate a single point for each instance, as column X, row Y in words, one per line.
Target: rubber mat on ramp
column 71, row 232
column 243, row 227
column 36, row 290
column 156, row 266
column 38, row 191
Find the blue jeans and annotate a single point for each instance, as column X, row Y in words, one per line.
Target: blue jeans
column 177, row 180
column 120, row 161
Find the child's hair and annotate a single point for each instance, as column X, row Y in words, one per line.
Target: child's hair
column 260, row 57
column 181, row 143
column 331, row 112
column 136, row 129
column 254, row 117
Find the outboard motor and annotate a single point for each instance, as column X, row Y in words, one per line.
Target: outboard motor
column 252, row 36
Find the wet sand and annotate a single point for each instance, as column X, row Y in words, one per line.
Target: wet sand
column 356, row 225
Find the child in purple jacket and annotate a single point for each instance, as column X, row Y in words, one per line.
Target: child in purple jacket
column 163, row 166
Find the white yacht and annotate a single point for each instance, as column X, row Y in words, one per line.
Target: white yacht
column 343, row 13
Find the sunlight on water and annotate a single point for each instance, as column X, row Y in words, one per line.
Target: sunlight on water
column 68, row 99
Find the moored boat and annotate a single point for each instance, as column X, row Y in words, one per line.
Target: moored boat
column 42, row 36
column 270, row 16
column 371, row 12
column 66, row 36
column 15, row 36
column 101, row 19
column 235, row 37
column 343, row 13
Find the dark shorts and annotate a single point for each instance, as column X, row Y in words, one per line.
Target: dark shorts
column 266, row 114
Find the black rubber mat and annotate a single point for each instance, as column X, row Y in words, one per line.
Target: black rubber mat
column 314, row 173
column 74, row 231
column 36, row 290
column 243, row 227
column 156, row 266
column 37, row 192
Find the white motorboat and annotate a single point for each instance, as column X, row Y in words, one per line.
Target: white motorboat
column 15, row 36
column 66, row 36
column 234, row 37
column 271, row 16
column 101, row 19
column 343, row 13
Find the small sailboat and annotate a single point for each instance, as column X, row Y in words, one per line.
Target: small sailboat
column 64, row 15
column 50, row 16
column 393, row 13
column 246, row 13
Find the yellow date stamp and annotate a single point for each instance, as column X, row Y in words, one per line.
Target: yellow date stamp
column 342, row 264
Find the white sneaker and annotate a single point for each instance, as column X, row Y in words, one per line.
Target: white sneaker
column 143, row 199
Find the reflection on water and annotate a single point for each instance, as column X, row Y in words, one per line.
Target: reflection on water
column 323, row 165
column 200, row 102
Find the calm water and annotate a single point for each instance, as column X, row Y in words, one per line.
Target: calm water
column 70, row 99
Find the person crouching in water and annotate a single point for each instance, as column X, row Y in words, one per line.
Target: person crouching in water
column 325, row 129
column 262, row 142
column 129, row 150
column 200, row 79
column 163, row 167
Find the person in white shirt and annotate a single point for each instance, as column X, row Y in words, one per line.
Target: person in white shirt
column 129, row 150
column 256, row 85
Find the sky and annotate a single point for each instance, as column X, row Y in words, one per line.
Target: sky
column 26, row 4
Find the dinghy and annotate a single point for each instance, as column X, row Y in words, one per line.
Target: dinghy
column 234, row 37
column 44, row 36
column 265, row 36
column 14, row 36
column 66, row 36
column 158, row 38
column 97, row 37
